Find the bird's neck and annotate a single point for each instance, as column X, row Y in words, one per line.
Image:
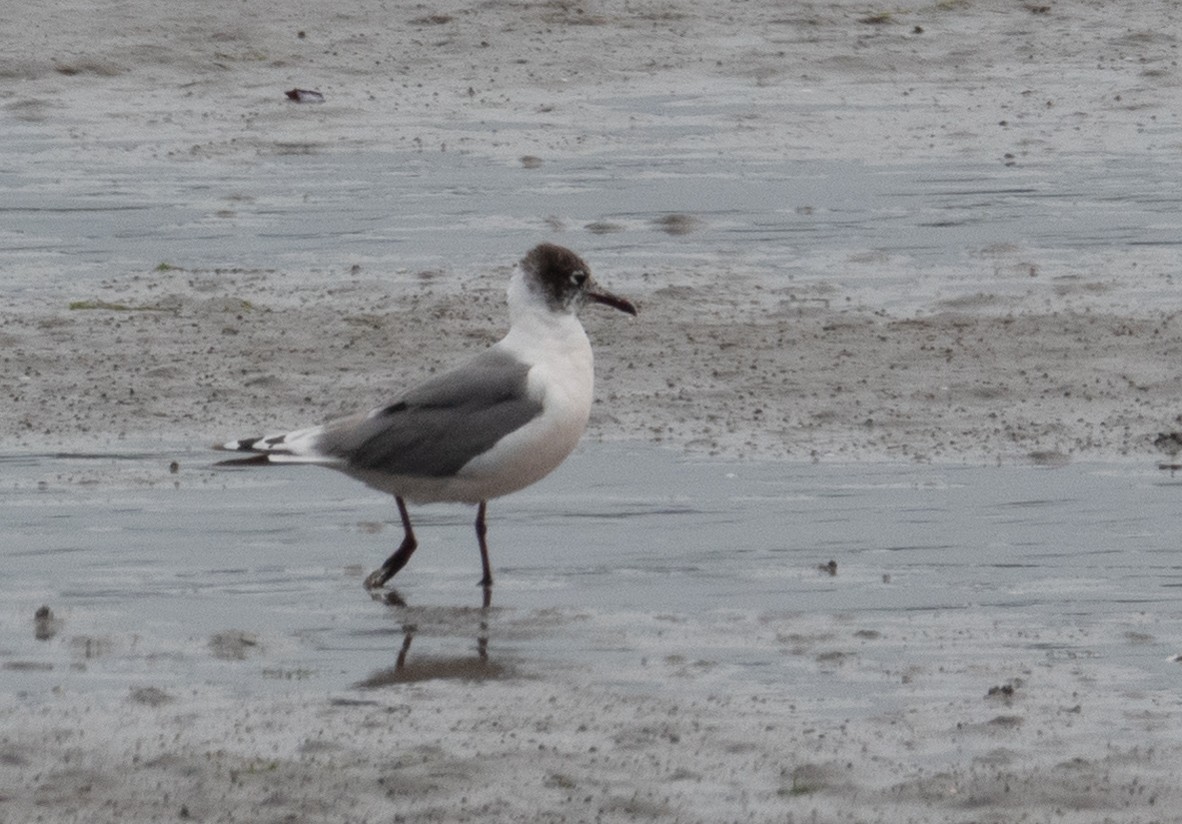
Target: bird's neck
column 532, row 320
column 522, row 299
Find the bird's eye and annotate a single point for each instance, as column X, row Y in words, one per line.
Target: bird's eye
column 578, row 277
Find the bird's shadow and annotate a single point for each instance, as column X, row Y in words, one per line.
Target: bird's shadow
column 407, row 669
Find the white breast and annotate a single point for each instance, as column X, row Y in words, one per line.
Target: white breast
column 561, row 377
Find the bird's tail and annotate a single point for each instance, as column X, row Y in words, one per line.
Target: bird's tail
column 290, row 447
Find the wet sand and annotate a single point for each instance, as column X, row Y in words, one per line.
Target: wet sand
column 708, row 367
column 1046, row 353
column 1055, row 335
column 926, row 644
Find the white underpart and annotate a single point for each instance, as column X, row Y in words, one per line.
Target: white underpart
column 561, row 378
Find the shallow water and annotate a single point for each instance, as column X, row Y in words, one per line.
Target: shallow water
column 895, row 235
column 629, row 566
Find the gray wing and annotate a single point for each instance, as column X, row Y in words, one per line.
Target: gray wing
column 440, row 425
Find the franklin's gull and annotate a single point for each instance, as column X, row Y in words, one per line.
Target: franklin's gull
column 492, row 426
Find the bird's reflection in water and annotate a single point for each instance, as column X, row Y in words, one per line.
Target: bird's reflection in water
column 449, row 621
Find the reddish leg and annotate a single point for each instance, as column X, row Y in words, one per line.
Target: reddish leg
column 397, row 561
column 481, row 531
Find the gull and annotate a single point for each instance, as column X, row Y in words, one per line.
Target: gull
column 494, row 425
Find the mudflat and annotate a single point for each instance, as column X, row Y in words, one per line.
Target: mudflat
column 933, row 234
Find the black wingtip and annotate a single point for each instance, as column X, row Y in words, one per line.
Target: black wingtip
column 243, row 445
